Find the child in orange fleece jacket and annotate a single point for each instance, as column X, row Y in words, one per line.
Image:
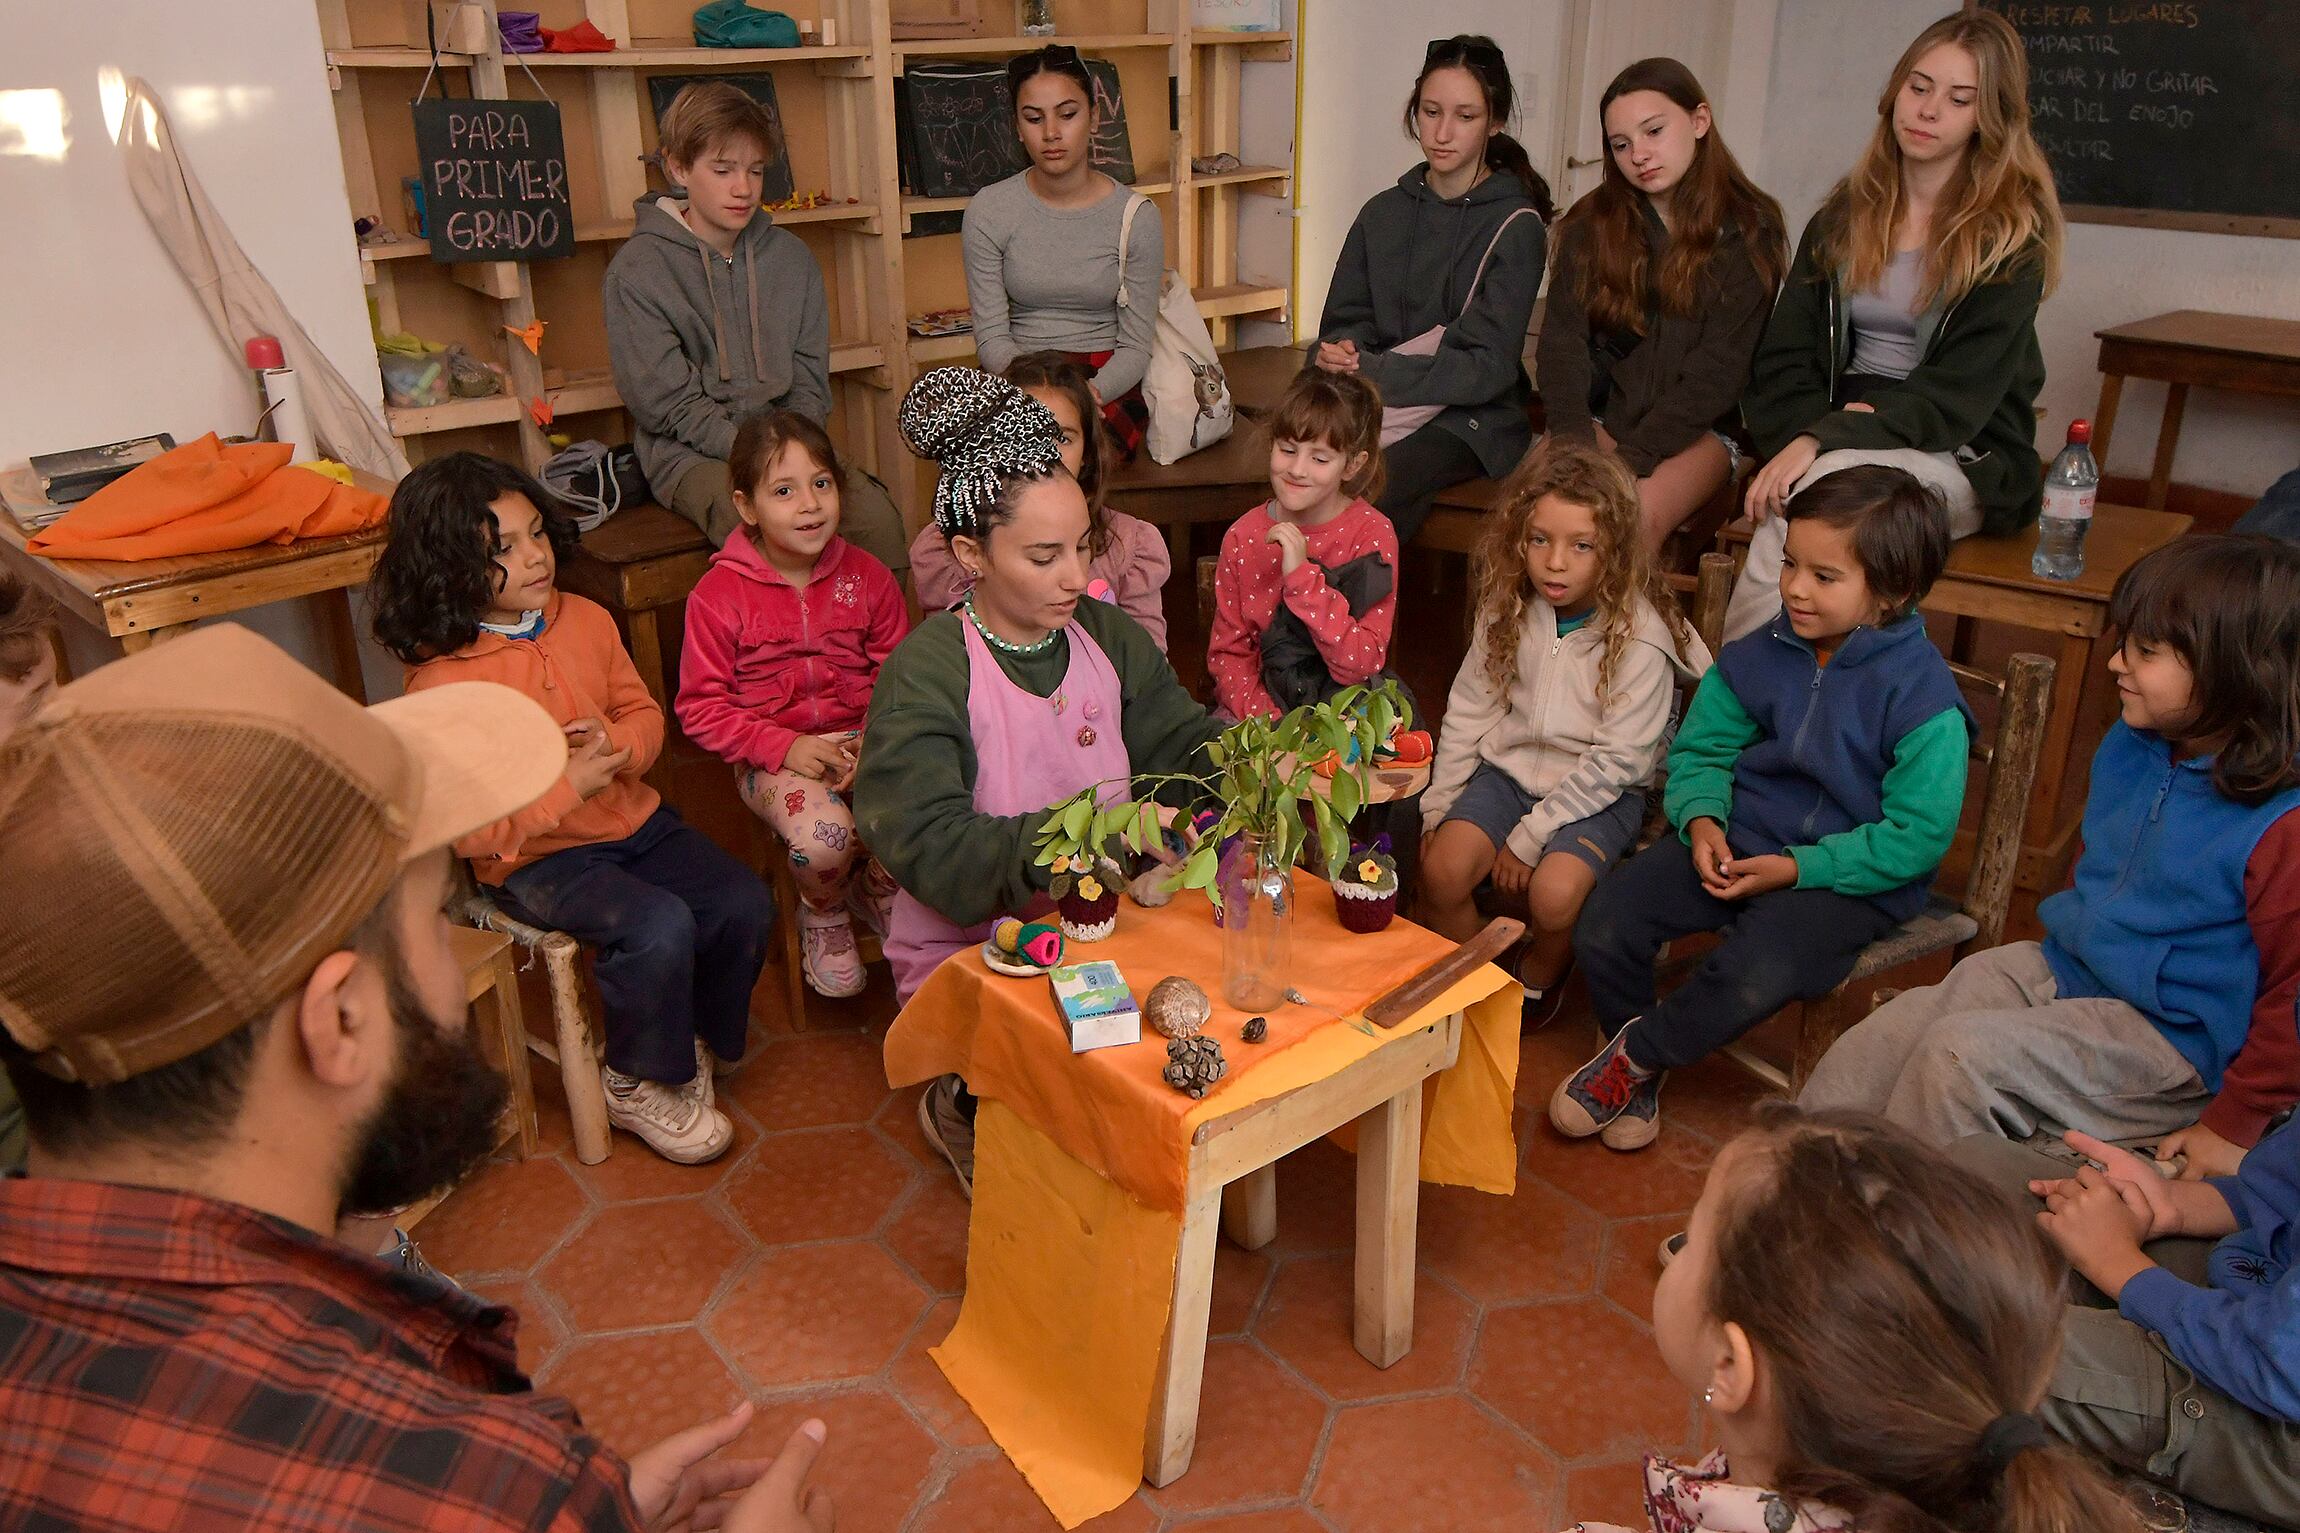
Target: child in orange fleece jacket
column 464, row 592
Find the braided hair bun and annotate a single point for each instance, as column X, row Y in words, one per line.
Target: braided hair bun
column 983, row 431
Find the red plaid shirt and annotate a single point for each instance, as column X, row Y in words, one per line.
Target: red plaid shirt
column 169, row 1361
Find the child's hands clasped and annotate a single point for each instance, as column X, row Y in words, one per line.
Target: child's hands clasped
column 2141, row 1185
column 1510, row 876
column 592, row 759
column 1748, row 877
column 2099, row 1222
column 1293, row 546
column 1338, row 356
column 825, row 758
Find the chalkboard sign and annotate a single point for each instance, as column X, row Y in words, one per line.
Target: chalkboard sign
column 2176, row 113
column 494, row 180
column 955, row 124
column 662, row 90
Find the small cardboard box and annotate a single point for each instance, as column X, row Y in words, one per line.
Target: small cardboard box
column 1098, row 1011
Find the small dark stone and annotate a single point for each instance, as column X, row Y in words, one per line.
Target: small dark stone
column 1255, row 1030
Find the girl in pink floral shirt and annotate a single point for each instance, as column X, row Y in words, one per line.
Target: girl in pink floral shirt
column 1870, row 1324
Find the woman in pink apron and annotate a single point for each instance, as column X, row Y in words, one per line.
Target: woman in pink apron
column 989, row 715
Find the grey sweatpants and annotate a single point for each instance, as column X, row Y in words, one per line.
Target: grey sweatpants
column 1992, row 1050
column 2120, row 1394
column 868, row 517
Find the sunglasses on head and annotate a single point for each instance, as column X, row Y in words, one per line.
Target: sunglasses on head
column 1483, row 54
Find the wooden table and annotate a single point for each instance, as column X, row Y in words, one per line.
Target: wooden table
column 142, row 602
column 2241, row 352
column 636, row 563
column 1988, row 580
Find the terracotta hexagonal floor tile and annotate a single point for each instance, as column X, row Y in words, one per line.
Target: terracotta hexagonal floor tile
column 873, row 1464
column 633, row 1171
column 1291, row 1520
column 1239, row 1277
column 1257, row 1432
column 898, row 1121
column 1410, row 1465
column 930, row 1234
column 503, row 1218
column 919, row 1380
column 637, row 1390
column 639, row 1264
column 989, row 1495
column 1633, row 1261
column 1536, row 1244
column 806, row 1314
column 1307, row 1323
column 1606, row 1493
column 1545, row 1366
column 1317, row 1200
column 829, row 1184
column 810, row 1081
column 1714, row 1098
column 541, row 1332
column 1663, row 1178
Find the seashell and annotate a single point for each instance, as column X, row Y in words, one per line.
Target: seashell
column 1177, row 1007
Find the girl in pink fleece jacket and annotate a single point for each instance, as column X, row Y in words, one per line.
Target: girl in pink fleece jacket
column 785, row 635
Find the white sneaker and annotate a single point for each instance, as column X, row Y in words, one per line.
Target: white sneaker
column 673, row 1120
column 827, row 953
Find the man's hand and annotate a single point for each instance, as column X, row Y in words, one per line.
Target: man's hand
column 2208, row 1154
column 1748, row 877
column 2141, row 1183
column 2098, row 1225
column 676, row 1488
column 1293, row 547
column 814, row 756
column 1711, row 856
column 1769, row 490
column 1338, row 356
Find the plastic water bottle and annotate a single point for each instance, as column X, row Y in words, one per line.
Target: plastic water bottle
column 2070, row 486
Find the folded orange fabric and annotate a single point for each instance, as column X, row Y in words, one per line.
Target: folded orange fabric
column 205, row 497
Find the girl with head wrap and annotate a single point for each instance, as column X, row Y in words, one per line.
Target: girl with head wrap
column 990, row 714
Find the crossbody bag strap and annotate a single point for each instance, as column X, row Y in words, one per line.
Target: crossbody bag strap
column 1490, row 245
column 1134, row 204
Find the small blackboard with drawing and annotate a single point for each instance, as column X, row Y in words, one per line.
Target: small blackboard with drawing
column 494, row 180
column 760, row 87
column 2167, row 113
column 955, row 123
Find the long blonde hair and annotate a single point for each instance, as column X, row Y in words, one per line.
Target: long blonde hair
column 2000, row 207
column 1582, row 474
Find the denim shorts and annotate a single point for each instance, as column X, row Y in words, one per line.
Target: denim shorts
column 1493, row 802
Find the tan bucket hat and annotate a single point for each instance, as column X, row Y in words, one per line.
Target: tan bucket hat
column 185, row 833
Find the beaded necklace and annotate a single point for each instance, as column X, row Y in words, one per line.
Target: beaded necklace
column 1008, row 646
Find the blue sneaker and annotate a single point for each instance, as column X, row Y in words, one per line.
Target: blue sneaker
column 1597, row 1093
column 1640, row 1122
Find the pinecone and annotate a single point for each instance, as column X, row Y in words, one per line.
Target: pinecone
column 1255, row 1030
column 1194, row 1064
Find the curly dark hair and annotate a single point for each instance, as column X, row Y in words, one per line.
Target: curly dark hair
column 438, row 573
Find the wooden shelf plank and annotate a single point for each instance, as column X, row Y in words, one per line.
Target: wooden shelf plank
column 955, row 46
column 580, row 395
column 1253, row 47
column 855, row 357
column 829, row 213
column 394, row 58
column 423, row 420
column 912, row 205
column 1239, row 298
column 941, row 348
column 1244, row 175
column 646, row 53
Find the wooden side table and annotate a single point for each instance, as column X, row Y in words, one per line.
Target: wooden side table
column 1988, row 580
column 143, row 602
column 2240, row 352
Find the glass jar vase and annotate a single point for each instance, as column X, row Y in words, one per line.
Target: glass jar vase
column 1257, row 926
column 1035, row 17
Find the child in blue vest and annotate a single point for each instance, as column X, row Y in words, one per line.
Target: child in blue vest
column 1815, row 786
column 2161, row 999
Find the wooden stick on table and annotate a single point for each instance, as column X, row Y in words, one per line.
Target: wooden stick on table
column 1391, row 1009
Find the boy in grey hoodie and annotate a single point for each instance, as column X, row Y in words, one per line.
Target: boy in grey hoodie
column 714, row 314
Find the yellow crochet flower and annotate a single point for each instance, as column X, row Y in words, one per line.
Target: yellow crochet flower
column 1060, row 865
column 1089, row 888
column 1369, row 872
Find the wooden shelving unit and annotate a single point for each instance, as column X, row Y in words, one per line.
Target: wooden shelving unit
column 836, row 101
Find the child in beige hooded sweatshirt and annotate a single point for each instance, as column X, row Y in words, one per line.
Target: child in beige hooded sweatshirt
column 1556, row 719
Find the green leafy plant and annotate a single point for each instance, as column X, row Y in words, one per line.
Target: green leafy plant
column 1262, row 771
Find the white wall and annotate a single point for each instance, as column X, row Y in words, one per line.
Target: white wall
column 1829, row 61
column 1359, row 62
column 106, row 340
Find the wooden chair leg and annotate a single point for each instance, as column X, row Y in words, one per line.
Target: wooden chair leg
column 501, row 1015
column 579, row 1061
column 1389, row 1191
column 1820, row 1024
column 1250, row 1208
column 1172, row 1434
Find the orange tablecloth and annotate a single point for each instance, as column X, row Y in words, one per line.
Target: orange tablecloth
column 205, row 497
column 1081, row 1162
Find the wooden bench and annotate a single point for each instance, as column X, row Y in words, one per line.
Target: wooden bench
column 639, row 561
column 1457, row 520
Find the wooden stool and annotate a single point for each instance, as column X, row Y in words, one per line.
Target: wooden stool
column 775, row 855
column 491, row 990
column 639, row 561
column 576, row 1050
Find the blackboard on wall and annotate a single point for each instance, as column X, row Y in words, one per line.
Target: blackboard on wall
column 2180, row 114
column 955, row 126
column 494, row 180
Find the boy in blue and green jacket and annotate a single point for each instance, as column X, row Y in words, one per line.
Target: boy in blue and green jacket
column 1815, row 785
